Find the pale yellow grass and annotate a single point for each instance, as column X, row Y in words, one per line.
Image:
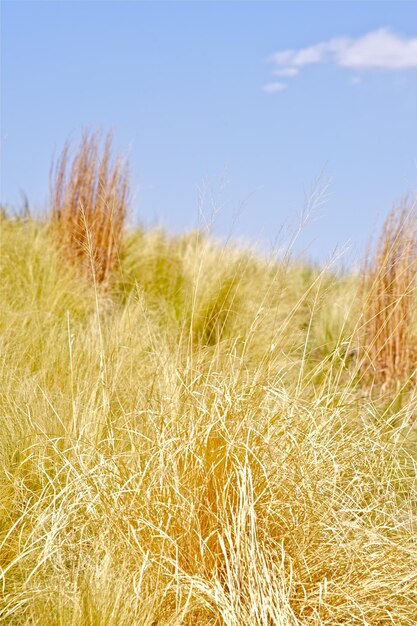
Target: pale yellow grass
column 195, row 448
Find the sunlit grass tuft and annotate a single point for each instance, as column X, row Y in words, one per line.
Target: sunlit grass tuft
column 390, row 281
column 89, row 200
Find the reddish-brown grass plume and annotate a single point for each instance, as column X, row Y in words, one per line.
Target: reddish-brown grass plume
column 89, row 197
column 389, row 287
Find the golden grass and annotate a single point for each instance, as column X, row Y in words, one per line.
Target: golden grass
column 195, row 451
column 390, row 277
column 89, row 198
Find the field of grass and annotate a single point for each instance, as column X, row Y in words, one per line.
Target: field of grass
column 209, row 438
column 196, row 445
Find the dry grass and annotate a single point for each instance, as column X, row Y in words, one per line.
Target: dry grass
column 89, row 198
column 389, row 288
column 179, row 459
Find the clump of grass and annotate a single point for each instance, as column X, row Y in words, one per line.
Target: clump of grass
column 389, row 283
column 89, row 199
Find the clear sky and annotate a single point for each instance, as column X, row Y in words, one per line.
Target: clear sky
column 239, row 106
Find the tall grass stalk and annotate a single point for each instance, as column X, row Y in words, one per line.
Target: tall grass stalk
column 90, row 194
column 390, row 282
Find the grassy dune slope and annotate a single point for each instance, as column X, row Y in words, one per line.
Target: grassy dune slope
column 195, row 445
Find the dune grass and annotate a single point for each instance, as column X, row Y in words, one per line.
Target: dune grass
column 390, row 275
column 88, row 202
column 197, row 445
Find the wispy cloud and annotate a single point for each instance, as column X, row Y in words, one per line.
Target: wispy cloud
column 286, row 71
column 274, row 87
column 378, row 49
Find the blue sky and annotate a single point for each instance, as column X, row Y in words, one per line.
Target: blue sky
column 231, row 108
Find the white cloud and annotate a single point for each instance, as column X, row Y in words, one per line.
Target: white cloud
column 312, row 54
column 307, row 56
column 287, row 71
column 283, row 58
column 380, row 48
column 274, row 87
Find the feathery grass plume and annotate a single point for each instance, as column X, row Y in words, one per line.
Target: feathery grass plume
column 389, row 282
column 89, row 198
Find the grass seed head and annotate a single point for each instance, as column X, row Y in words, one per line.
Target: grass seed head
column 389, row 281
column 89, row 199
